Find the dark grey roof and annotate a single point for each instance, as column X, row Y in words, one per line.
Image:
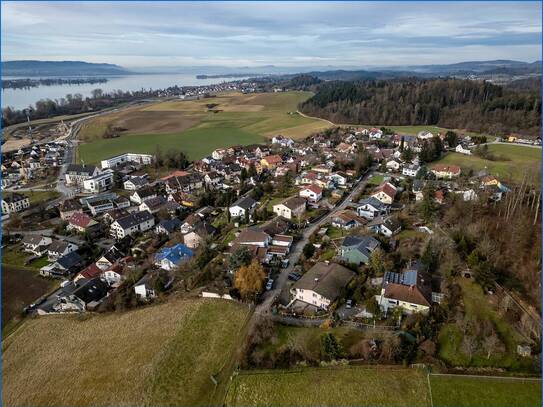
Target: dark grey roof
column 170, row 225
column 392, row 224
column 134, row 219
column 326, row 279
column 92, row 290
column 69, row 260
column 144, row 192
column 365, row 244
column 13, row 197
column 81, row 169
column 32, row 239
column 377, row 204
column 245, row 202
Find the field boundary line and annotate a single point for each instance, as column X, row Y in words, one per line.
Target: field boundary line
column 487, row 376
column 430, row 390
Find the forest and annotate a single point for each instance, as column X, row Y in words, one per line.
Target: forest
column 476, row 106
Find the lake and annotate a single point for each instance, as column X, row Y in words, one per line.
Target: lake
column 21, row 98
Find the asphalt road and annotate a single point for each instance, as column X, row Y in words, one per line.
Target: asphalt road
column 281, row 281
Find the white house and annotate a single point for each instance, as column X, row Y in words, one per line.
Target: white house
column 242, row 206
column 446, row 171
column 411, row 170
column 142, row 159
column 385, row 193
column 312, row 193
column 132, row 223
column 371, row 207
column 76, row 174
column 36, row 244
column 59, row 248
column 393, row 165
column 144, row 288
column 282, row 141
column 462, row 150
column 410, row 290
column 142, row 195
column 98, row 183
column 12, row 203
column 292, row 207
column 322, row 284
column 135, row 182
column 424, row 135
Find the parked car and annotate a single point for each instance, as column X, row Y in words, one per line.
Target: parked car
column 269, row 285
column 349, row 304
column 294, row 276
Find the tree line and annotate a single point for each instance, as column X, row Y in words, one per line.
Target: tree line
column 453, row 103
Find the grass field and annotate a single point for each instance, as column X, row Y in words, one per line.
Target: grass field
column 460, row 391
column 191, row 127
column 41, row 196
column 341, row 386
column 519, row 160
column 157, row 355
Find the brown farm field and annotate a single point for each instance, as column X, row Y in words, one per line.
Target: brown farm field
column 157, row 355
column 197, row 127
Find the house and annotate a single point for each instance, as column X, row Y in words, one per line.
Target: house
column 197, row 236
column 462, row 149
column 76, row 174
column 387, row 227
column 100, row 206
column 424, row 135
column 186, row 182
column 218, row 154
column 59, row 248
column 139, row 159
column 142, row 195
column 115, row 274
column 322, row 284
column 91, row 292
column 270, row 162
column 82, row 223
column 109, row 258
column 153, row 205
column 358, row 249
column 243, row 206
column 371, row 207
column 283, row 141
column 12, row 203
column 446, row 171
column 170, row 258
column 418, row 186
column 145, row 288
column 88, row 272
column 339, row 179
column 252, row 237
column 63, row 266
column 385, row 193
column 36, row 244
column 69, row 207
column 347, row 219
column 168, row 226
column 410, row 290
column 312, row 193
column 133, row 223
column 411, row 170
column 136, row 182
column 393, row 165
column 291, row 208
column 98, row 183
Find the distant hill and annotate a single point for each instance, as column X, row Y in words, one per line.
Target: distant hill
column 29, row 68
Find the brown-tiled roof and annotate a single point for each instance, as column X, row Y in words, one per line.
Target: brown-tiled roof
column 406, row 293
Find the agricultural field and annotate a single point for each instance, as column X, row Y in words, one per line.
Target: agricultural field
column 512, row 163
column 20, row 287
column 339, row 386
column 197, row 127
column 162, row 354
column 462, row 391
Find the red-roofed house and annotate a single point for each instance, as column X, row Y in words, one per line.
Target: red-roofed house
column 385, row 193
column 81, row 222
column 271, row 161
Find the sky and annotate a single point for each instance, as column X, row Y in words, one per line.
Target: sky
column 288, row 34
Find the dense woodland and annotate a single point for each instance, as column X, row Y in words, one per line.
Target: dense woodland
column 451, row 103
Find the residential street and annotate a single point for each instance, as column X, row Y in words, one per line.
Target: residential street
column 281, row 281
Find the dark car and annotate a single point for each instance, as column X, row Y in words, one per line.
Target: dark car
column 294, row 276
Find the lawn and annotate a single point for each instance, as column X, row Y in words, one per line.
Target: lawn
column 376, row 179
column 339, row 386
column 41, row 196
column 520, row 160
column 189, row 126
column 461, row 391
column 158, row 355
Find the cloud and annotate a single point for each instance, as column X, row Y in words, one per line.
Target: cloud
column 279, row 33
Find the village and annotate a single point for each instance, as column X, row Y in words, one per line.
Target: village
column 313, row 214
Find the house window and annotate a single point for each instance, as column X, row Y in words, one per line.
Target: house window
column 314, row 294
